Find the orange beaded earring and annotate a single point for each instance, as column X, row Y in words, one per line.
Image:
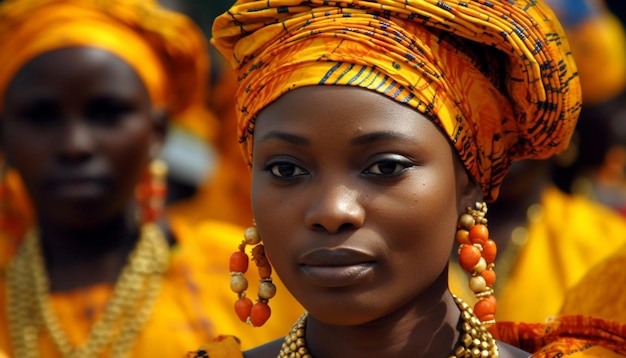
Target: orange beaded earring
column 477, row 254
column 151, row 191
column 12, row 222
column 254, row 314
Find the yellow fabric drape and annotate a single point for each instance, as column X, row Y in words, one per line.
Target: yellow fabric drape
column 405, row 50
column 572, row 235
column 195, row 303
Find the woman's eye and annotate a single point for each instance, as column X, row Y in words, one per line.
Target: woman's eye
column 387, row 168
column 286, row 170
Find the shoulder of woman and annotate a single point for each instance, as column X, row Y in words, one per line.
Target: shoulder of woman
column 508, row 351
column 268, row 350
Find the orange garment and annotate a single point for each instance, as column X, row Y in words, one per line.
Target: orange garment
column 601, row 292
column 403, row 49
column 569, row 336
column 194, row 305
column 571, row 236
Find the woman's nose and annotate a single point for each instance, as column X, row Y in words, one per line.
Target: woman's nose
column 334, row 208
column 76, row 142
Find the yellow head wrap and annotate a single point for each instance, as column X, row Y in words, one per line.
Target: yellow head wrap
column 510, row 93
column 166, row 49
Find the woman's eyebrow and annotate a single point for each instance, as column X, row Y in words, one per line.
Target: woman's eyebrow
column 380, row 136
column 283, row 136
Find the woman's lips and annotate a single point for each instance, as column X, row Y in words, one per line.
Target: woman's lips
column 80, row 187
column 336, row 267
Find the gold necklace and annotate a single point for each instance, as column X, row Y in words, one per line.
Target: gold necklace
column 136, row 289
column 475, row 341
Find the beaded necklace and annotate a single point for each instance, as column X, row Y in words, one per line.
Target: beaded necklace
column 475, row 340
column 136, row 289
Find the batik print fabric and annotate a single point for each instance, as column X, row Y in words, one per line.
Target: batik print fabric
column 510, row 93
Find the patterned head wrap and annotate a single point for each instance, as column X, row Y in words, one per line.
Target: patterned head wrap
column 166, row 49
column 497, row 76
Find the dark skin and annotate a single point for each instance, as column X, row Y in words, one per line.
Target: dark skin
column 80, row 137
column 364, row 195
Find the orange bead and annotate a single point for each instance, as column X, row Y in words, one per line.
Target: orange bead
column 142, row 192
column 489, row 251
column 243, row 308
column 260, row 314
column 485, row 309
column 469, row 257
column 150, row 214
column 158, row 189
column 489, row 276
column 479, row 234
column 462, row 237
column 493, row 299
column 239, row 262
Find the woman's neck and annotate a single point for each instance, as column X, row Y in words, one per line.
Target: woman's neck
column 427, row 327
column 77, row 257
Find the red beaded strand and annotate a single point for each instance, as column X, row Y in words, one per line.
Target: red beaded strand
column 151, row 191
column 477, row 254
column 258, row 313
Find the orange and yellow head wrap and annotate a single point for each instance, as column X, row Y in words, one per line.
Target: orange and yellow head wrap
column 166, row 49
column 497, row 76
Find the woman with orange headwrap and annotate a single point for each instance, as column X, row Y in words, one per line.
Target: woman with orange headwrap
column 374, row 131
column 86, row 87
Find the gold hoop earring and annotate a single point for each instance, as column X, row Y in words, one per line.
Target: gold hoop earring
column 477, row 255
column 258, row 313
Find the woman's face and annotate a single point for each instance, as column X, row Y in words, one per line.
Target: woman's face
column 356, row 198
column 78, row 126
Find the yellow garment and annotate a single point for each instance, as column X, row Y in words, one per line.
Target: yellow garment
column 194, row 305
column 599, row 47
column 222, row 347
column 572, row 235
column 601, row 292
column 165, row 48
column 403, row 49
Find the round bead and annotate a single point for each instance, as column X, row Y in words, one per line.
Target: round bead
column 469, row 256
column 238, row 283
column 462, row 237
column 489, row 251
column 485, row 309
column 238, row 262
column 158, row 168
column 466, row 221
column 259, row 314
column 243, row 307
column 479, row 234
column 267, row 290
column 481, row 265
column 477, row 284
column 252, row 236
column 489, row 276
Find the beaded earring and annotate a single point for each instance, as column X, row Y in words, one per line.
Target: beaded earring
column 11, row 222
column 253, row 314
column 477, row 254
column 151, row 190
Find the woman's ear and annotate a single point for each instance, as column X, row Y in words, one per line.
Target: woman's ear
column 469, row 190
column 160, row 121
column 471, row 194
